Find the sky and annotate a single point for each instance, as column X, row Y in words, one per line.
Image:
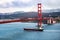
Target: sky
column 27, row 5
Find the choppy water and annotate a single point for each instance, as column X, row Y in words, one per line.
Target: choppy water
column 14, row 31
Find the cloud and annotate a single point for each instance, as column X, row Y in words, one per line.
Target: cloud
column 30, row 5
column 52, row 4
column 16, row 3
column 25, row 1
column 20, row 4
column 11, row 9
column 5, row 3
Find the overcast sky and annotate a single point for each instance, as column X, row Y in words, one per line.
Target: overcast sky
column 27, row 5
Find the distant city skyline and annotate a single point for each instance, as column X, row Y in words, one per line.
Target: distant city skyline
column 27, row 5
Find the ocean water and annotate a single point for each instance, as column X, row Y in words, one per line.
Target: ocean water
column 14, row 31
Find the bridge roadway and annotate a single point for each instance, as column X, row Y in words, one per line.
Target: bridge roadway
column 21, row 20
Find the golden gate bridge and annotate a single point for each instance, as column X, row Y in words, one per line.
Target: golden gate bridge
column 39, row 19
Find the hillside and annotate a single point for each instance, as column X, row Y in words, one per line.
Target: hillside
column 52, row 13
